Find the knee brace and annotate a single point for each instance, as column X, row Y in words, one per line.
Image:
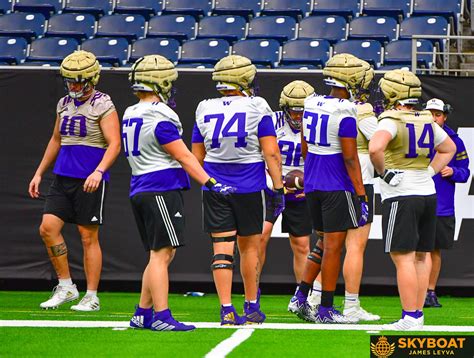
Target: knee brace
column 223, row 265
column 232, row 238
column 316, row 255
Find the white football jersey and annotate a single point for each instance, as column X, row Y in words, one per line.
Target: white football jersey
column 289, row 142
column 229, row 126
column 141, row 147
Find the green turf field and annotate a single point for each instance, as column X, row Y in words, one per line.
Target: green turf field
column 105, row 342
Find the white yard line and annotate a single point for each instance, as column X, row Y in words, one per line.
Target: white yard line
column 299, row 326
column 229, row 344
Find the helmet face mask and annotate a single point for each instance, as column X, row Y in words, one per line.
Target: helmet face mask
column 80, row 71
column 294, row 117
column 292, row 102
column 77, row 89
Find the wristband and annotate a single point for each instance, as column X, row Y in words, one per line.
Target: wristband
column 100, row 171
column 210, row 183
column 280, row 191
column 363, row 198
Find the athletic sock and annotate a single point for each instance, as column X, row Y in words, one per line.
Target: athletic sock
column 413, row 314
column 317, row 288
column 252, row 301
column 351, row 298
column 65, row 282
column 327, row 298
column 91, row 293
column 227, row 305
column 303, row 289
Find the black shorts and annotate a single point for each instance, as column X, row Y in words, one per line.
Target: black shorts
column 445, row 226
column 68, row 201
column 369, row 191
column 296, row 219
column 409, row 223
column 242, row 212
column 160, row 218
column 333, row 211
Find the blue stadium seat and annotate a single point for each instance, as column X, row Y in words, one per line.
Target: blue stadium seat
column 22, row 24
column 168, row 48
column 368, row 50
column 204, row 50
column 79, row 26
column 331, row 28
column 260, row 51
column 195, row 65
column 424, row 25
column 298, row 67
column 5, row 6
column 392, row 8
column 112, row 50
column 346, row 8
column 131, row 27
column 399, row 52
column 245, row 8
column 194, row 8
column 228, row 27
column 380, row 28
column 280, row 28
column 306, row 51
column 146, row 8
column 95, row 7
column 180, row 27
column 52, row 49
column 446, row 8
column 45, row 7
column 294, row 8
column 13, row 49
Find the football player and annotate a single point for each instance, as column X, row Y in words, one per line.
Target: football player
column 356, row 239
column 333, row 182
column 230, row 135
column 84, row 145
column 457, row 171
column 296, row 219
column 401, row 150
column 160, row 162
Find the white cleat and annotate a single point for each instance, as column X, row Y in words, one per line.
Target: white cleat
column 358, row 313
column 406, row 323
column 60, row 295
column 88, row 303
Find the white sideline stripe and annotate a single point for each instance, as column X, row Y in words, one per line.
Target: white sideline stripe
column 229, row 344
column 299, row 326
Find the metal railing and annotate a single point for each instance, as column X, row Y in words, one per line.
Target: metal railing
column 446, row 39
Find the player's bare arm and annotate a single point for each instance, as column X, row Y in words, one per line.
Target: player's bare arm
column 377, row 146
column 111, row 131
column 271, row 153
column 444, row 153
column 199, row 151
column 49, row 156
column 351, row 161
column 304, row 145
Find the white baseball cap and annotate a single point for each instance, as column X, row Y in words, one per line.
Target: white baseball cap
column 435, row 103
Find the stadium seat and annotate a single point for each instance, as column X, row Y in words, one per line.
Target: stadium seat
column 180, row 27
column 392, row 8
column 380, row 28
column 131, row 27
column 168, row 48
column 260, row 51
column 195, row 65
column 112, row 50
column 194, row 8
column 245, row 8
column 45, row 7
column 306, row 51
column 424, row 25
column 52, row 48
column 294, row 8
column 228, row 27
column 280, row 28
column 204, row 50
column 13, row 49
column 446, row 8
column 368, row 50
column 346, row 8
column 330, row 28
column 79, row 26
column 5, row 6
column 21, row 24
column 399, row 52
column 146, row 8
column 95, row 7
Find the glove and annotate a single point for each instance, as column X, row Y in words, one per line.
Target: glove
column 277, row 202
column 392, row 177
column 219, row 188
column 364, row 210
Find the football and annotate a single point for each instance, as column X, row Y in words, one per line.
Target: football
column 294, row 179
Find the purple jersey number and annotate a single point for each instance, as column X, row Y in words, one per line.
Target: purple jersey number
column 313, row 128
column 68, row 126
column 423, row 141
column 131, row 125
column 240, row 133
column 291, row 152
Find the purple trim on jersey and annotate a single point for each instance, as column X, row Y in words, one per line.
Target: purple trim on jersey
column 197, row 136
column 161, row 180
column 166, row 132
column 348, row 128
column 78, row 103
column 78, row 161
column 326, row 173
column 96, row 96
column 266, row 128
column 246, row 177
